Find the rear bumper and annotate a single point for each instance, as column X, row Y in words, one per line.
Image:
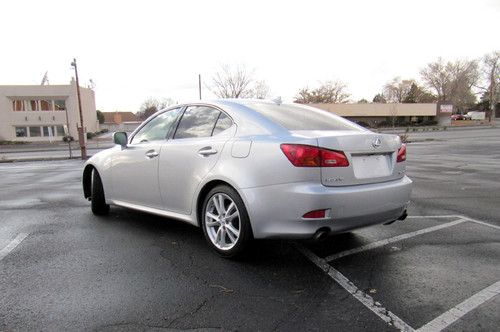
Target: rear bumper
column 275, row 211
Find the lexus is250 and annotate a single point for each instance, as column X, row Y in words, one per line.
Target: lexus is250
column 253, row 169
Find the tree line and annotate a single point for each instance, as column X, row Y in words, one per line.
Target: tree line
column 457, row 82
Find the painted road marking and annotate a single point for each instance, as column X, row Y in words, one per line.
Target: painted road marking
column 12, row 245
column 454, row 314
column 392, row 239
column 457, row 216
column 386, row 315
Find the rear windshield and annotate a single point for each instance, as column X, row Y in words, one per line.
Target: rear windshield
column 298, row 117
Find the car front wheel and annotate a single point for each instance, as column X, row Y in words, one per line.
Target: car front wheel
column 97, row 199
column 225, row 222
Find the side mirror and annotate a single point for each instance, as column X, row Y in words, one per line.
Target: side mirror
column 120, row 138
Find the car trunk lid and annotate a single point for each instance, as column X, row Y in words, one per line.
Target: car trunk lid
column 372, row 157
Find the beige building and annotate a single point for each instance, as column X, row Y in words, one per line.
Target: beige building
column 376, row 114
column 44, row 112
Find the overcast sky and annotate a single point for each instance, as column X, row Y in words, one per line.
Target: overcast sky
column 133, row 50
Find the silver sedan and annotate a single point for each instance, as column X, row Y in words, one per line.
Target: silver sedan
column 245, row 169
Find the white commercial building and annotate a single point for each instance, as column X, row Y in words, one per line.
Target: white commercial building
column 44, row 112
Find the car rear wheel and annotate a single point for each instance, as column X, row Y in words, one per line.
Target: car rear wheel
column 97, row 199
column 225, row 222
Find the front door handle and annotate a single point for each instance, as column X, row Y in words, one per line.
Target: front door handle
column 206, row 151
column 152, row 154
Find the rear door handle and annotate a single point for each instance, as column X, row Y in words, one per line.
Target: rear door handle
column 206, row 151
column 152, row 154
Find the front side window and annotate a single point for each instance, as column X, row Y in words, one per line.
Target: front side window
column 197, row 121
column 157, row 128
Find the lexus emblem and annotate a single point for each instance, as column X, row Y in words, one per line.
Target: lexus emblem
column 376, row 142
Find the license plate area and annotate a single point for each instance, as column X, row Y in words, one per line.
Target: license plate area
column 371, row 165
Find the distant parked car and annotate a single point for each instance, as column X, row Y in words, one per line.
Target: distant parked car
column 458, row 117
column 244, row 169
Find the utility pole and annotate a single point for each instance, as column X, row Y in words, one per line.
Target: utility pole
column 81, row 132
column 199, row 84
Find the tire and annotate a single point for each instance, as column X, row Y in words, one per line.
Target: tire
column 230, row 234
column 97, row 199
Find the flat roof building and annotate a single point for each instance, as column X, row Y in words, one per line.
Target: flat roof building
column 379, row 114
column 44, row 112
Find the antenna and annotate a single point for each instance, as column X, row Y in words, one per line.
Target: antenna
column 45, row 79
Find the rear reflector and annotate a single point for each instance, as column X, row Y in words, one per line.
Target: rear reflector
column 315, row 214
column 402, row 153
column 311, row 156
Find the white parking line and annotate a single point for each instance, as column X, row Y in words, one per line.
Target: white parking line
column 457, row 216
column 480, row 222
column 462, row 309
column 12, row 245
column 391, row 240
column 386, row 315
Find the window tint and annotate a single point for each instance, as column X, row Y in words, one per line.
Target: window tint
column 197, row 121
column 296, row 117
column 157, row 128
column 223, row 123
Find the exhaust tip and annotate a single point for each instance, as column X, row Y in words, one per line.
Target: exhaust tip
column 403, row 216
column 321, row 234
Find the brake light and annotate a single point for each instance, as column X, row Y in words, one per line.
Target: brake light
column 402, row 153
column 311, row 156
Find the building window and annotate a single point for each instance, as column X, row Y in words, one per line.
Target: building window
column 59, row 105
column 18, row 105
column 35, row 132
column 32, row 105
column 46, row 105
column 59, row 130
column 21, row 132
column 48, row 131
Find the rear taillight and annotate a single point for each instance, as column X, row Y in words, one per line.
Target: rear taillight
column 402, row 153
column 311, row 156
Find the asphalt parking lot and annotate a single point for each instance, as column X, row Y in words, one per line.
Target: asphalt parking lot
column 61, row 268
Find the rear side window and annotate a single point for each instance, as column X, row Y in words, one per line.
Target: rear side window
column 297, row 117
column 224, row 122
column 197, row 121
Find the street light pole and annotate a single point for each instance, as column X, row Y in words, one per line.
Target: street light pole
column 199, row 84
column 81, row 132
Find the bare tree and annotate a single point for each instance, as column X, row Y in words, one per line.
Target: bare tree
column 491, row 78
column 260, row 90
column 152, row 105
column 397, row 90
column 329, row 92
column 231, row 82
column 452, row 81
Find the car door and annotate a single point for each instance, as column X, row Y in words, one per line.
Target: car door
column 194, row 150
column 135, row 168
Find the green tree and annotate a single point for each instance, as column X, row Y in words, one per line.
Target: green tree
column 100, row 116
column 379, row 98
column 329, row 92
column 418, row 94
column 152, row 105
